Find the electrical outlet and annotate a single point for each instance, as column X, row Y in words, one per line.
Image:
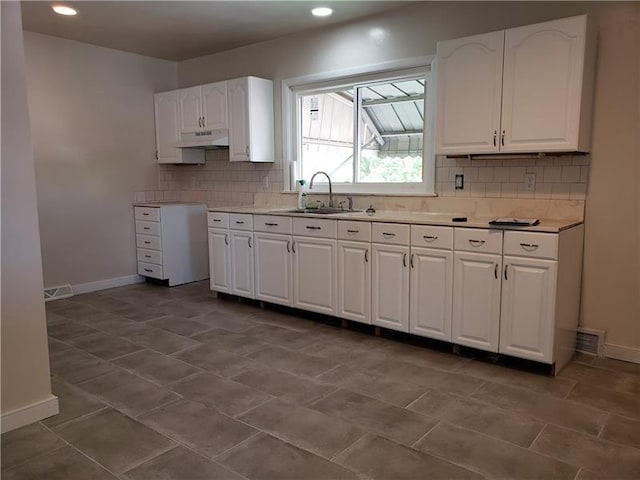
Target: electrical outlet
column 459, row 182
column 529, row 182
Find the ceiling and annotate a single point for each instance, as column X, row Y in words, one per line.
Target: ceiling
column 179, row 30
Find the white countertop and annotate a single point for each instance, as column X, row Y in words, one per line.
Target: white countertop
column 163, row 204
column 422, row 218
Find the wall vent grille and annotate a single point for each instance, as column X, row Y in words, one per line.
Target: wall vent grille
column 590, row 341
column 55, row 293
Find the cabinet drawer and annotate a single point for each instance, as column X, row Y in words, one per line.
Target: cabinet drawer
column 478, row 240
column 150, row 270
column 432, row 237
column 315, row 227
column 531, row 244
column 149, row 242
column 357, row 231
column 272, row 223
column 241, row 221
column 390, row 233
column 150, row 256
column 148, row 228
column 147, row 213
column 218, row 219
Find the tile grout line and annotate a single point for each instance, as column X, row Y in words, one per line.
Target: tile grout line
column 438, row 422
column 532, row 443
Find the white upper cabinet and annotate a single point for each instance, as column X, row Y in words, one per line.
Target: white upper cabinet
column 250, row 101
column 526, row 89
column 214, row 105
column 190, row 109
column 167, row 108
column 469, row 85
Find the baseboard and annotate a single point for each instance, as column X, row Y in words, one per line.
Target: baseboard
column 105, row 284
column 621, row 352
column 30, row 414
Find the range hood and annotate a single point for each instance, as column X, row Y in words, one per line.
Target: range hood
column 204, row 139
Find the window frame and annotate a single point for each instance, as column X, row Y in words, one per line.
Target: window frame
column 293, row 88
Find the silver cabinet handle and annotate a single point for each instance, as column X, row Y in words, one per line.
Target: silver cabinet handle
column 156, row 154
column 147, row 242
column 217, row 220
column 404, row 259
column 271, row 224
column 366, row 256
column 411, row 261
column 239, row 222
column 249, row 240
column 529, row 247
column 495, row 136
column 246, row 150
column 200, row 121
column 204, row 122
column 495, row 271
column 502, row 138
column 148, row 270
column 293, row 246
column 430, row 238
column 505, row 272
column 226, row 239
column 146, row 228
column 386, row 234
column 145, row 214
column 353, row 231
column 147, row 256
column 312, row 227
column 476, row 243
column 288, row 246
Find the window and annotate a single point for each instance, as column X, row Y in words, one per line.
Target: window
column 370, row 134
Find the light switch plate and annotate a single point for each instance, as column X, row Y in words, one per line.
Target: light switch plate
column 459, row 183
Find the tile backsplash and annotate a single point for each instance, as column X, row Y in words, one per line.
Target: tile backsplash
column 222, row 183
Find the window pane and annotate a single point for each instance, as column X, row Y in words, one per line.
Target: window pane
column 327, row 135
column 391, row 131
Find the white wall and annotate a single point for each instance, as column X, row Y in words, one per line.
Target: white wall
column 611, row 280
column 25, row 361
column 92, row 123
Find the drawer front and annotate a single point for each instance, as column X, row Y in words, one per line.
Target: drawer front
column 431, row 237
column 241, row 221
column 357, row 231
column 390, row 233
column 147, row 228
column 150, row 256
column 272, row 224
column 218, row 219
column 147, row 213
column 478, row 240
column 315, row 227
column 531, row 244
column 150, row 270
column 148, row 242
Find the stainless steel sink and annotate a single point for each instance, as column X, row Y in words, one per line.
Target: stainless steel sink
column 317, row 211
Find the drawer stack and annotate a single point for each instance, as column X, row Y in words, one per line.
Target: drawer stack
column 149, row 242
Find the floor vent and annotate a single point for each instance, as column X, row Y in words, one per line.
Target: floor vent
column 590, row 341
column 55, row 293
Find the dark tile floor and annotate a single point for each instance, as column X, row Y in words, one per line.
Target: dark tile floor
column 159, row 383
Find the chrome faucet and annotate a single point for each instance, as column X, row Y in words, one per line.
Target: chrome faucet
column 330, row 189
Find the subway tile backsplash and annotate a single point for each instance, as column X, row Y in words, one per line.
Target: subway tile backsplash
column 221, row 183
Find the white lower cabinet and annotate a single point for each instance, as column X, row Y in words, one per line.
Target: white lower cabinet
column 315, row 278
column 430, row 292
column 273, row 279
column 242, row 265
column 390, row 286
column 354, row 281
column 476, row 300
column 528, row 306
column 219, row 260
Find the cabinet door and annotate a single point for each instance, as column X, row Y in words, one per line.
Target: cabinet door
column 430, row 293
column 167, row 134
column 273, row 268
column 354, row 281
column 238, row 91
column 528, row 305
column 315, row 276
column 190, row 109
column 214, row 105
column 242, row 277
column 390, row 281
column 219, row 260
column 543, row 68
column 476, row 300
column 469, row 89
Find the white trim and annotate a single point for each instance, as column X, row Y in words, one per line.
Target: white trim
column 622, row 352
column 30, row 414
column 104, row 284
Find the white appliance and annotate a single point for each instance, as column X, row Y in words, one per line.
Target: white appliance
column 204, row 139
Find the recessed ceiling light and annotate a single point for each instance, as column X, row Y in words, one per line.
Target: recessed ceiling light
column 64, row 10
column 321, row 11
